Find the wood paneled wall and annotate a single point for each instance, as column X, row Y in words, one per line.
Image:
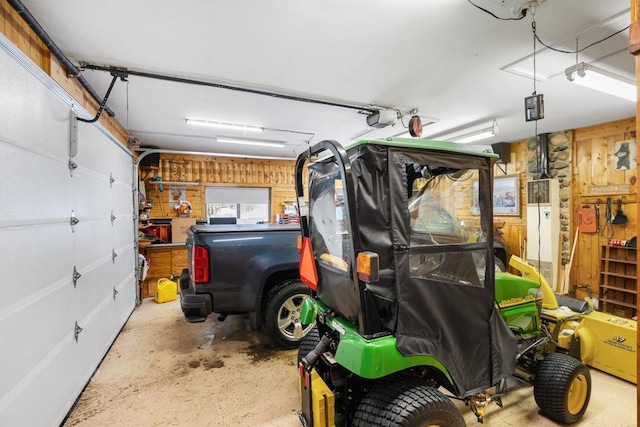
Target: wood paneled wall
column 19, row 33
column 277, row 175
column 592, row 163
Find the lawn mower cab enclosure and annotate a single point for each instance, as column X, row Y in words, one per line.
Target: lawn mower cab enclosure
column 401, row 290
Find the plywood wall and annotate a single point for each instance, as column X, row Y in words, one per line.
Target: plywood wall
column 277, row 175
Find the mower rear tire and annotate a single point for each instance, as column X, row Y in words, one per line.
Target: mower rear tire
column 406, row 402
column 562, row 388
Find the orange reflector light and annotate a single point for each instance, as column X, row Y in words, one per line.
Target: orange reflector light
column 368, row 267
column 307, row 267
column 299, row 244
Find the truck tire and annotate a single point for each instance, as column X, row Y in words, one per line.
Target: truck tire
column 407, row 402
column 562, row 388
column 282, row 314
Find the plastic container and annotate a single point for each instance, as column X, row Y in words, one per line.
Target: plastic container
column 166, row 290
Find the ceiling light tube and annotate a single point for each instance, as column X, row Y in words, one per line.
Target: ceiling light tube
column 261, row 143
column 605, row 81
column 221, row 125
column 477, row 135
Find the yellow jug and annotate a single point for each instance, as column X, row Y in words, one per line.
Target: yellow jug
column 166, row 290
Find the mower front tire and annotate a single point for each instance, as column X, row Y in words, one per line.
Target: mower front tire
column 308, row 343
column 404, row 401
column 562, row 388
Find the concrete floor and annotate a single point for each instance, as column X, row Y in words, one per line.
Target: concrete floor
column 163, row 371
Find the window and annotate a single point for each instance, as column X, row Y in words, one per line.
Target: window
column 329, row 234
column 249, row 205
column 436, row 212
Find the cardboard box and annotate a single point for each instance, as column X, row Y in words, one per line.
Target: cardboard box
column 179, row 227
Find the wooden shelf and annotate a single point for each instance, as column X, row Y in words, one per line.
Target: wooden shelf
column 625, row 304
column 622, row 261
column 619, row 275
column 615, row 288
column 618, row 281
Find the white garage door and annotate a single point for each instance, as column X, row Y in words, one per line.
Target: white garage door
column 54, row 329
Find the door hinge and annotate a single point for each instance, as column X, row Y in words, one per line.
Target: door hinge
column 76, row 331
column 76, row 276
column 72, row 166
column 115, row 292
column 113, row 256
column 73, row 221
column 111, row 179
column 113, row 218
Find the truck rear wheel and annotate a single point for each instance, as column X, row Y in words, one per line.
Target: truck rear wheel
column 562, row 388
column 407, row 402
column 282, row 314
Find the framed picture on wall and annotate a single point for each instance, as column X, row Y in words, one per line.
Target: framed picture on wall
column 506, row 196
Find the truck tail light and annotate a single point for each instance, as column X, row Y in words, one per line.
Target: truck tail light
column 299, row 244
column 200, row 263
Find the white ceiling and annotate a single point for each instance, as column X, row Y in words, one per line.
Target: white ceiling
column 453, row 62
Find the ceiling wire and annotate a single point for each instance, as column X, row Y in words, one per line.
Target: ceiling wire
column 538, row 142
column 584, row 48
column 524, row 13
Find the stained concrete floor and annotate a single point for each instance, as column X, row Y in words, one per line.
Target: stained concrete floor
column 163, row 371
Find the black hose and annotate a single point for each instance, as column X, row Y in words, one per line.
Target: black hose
column 71, row 69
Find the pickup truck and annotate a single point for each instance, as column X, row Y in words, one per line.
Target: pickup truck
column 246, row 268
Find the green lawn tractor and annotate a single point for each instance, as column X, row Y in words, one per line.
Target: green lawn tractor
column 410, row 311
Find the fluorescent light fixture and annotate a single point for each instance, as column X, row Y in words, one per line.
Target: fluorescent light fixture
column 258, row 142
column 605, row 81
column 477, row 135
column 220, row 125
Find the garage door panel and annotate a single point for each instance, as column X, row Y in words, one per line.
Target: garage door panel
column 121, row 233
column 43, row 197
column 91, row 196
column 29, row 114
column 121, row 167
column 92, row 305
column 95, row 285
column 125, row 264
column 91, row 242
column 40, row 248
column 61, row 372
column 121, row 200
column 29, row 333
column 94, row 150
column 42, row 260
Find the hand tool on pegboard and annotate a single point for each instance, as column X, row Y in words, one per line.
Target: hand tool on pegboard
column 620, row 217
column 607, row 230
